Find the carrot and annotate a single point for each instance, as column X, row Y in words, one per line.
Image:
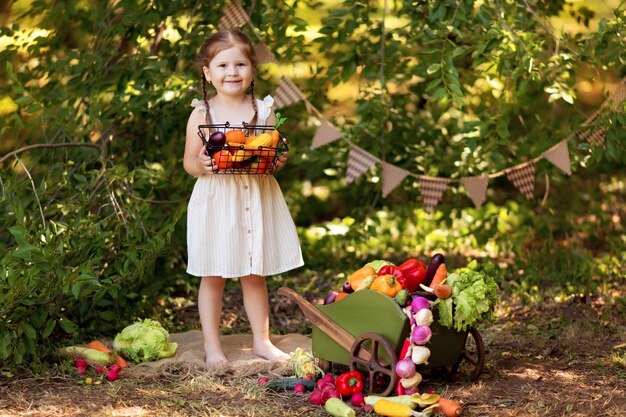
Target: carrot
column 121, row 361
column 440, row 275
column 449, row 408
column 275, row 138
column 98, row 345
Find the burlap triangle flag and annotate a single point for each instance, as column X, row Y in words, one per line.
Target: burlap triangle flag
column 592, row 133
column 559, row 156
column 286, row 93
column 392, row 176
column 523, row 178
column 233, row 16
column 325, row 134
column 263, row 54
column 476, row 188
column 432, row 189
column 618, row 95
column 359, row 161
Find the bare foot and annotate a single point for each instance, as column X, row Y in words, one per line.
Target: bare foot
column 270, row 352
column 213, row 356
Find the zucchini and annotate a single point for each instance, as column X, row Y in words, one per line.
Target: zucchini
column 434, row 263
column 288, row 384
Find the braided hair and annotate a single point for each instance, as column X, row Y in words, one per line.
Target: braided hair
column 217, row 43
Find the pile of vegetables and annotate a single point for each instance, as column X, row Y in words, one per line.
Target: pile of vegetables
column 95, row 361
column 343, row 396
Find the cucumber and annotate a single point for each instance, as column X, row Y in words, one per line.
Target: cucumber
column 288, row 384
column 338, row 408
column 434, row 263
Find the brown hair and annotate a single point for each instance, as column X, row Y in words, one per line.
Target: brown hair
column 217, row 43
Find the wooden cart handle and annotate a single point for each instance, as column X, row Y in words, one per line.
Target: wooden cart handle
column 323, row 322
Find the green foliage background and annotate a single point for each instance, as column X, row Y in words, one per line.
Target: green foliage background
column 93, row 236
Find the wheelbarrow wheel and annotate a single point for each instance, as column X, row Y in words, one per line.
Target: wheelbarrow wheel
column 376, row 367
column 473, row 353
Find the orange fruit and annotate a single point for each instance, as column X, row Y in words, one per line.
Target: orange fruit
column 341, row 295
column 236, row 136
column 223, row 159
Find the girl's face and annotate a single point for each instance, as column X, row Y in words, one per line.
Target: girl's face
column 230, row 72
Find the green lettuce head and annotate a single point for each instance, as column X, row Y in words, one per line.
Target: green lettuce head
column 144, row 341
column 378, row 263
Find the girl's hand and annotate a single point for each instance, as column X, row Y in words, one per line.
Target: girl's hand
column 206, row 163
column 282, row 159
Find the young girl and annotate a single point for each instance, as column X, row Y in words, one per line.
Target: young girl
column 238, row 226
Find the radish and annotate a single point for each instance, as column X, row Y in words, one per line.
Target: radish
column 316, row 397
column 112, row 375
column 263, row 381
column 358, row 399
column 299, row 389
column 100, row 369
column 329, row 378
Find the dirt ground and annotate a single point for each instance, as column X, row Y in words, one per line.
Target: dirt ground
column 547, row 358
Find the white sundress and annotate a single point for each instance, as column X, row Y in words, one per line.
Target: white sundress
column 239, row 225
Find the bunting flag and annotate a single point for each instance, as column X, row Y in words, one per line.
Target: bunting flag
column 325, row 134
column 234, row 16
column 432, row 189
column 392, row 176
column 286, row 93
column 590, row 133
column 476, row 188
column 523, row 177
column 359, row 161
column 618, row 95
column 263, row 54
column 559, row 156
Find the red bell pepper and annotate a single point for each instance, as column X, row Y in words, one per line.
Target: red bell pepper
column 395, row 271
column 414, row 273
column 349, row 383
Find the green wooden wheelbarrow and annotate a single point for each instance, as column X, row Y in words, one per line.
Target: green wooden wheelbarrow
column 366, row 331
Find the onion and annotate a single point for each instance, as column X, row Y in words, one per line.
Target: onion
column 421, row 335
column 420, row 355
column 412, row 381
column 419, row 303
column 424, row 317
column 405, row 368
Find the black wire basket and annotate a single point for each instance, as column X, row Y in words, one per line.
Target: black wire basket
column 245, row 149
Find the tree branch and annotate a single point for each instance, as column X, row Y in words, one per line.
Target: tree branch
column 50, row 145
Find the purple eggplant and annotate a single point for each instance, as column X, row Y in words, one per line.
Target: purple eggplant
column 330, row 297
column 434, row 263
column 347, row 287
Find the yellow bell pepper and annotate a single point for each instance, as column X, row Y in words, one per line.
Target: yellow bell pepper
column 386, row 284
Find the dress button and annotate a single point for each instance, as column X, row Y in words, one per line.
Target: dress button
column 249, row 231
column 247, row 208
column 246, row 187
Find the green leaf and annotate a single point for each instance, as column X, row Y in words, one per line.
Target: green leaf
column 49, row 327
column 67, row 325
column 433, row 68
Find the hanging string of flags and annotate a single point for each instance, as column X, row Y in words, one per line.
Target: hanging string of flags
column 522, row 176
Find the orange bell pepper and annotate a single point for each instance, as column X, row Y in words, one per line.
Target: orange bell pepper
column 386, row 284
column 359, row 275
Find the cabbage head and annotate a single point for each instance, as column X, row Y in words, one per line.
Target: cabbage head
column 144, row 341
column 378, row 263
